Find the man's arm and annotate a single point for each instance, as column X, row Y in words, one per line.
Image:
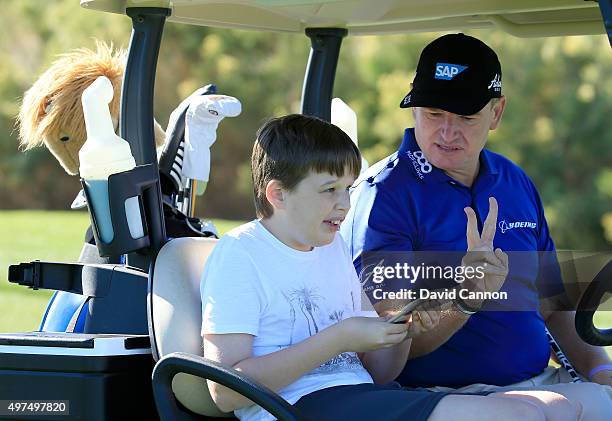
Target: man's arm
column 494, row 266
column 583, row 356
column 450, row 322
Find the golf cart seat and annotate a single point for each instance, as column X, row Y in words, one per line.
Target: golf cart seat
column 175, row 319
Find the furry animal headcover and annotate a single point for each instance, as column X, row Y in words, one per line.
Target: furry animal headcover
column 51, row 112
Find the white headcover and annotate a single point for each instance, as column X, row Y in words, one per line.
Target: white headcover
column 344, row 117
column 201, row 122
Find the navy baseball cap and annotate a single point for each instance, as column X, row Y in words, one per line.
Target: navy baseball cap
column 456, row 73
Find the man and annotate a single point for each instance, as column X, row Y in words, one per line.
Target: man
column 417, row 200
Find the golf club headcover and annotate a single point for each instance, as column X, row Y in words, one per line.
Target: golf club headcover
column 201, row 122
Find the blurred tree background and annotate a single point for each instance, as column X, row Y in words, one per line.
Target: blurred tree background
column 557, row 126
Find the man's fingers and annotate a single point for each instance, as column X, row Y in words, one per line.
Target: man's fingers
column 503, row 257
column 428, row 319
column 490, row 224
column 425, row 319
column 497, row 271
column 490, row 259
column 471, row 232
column 428, row 305
column 395, row 328
column 433, row 319
column 481, row 259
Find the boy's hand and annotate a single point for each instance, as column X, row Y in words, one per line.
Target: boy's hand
column 365, row 334
column 480, row 252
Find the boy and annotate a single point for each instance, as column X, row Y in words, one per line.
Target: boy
column 281, row 300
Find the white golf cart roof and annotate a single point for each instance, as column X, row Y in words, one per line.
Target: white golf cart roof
column 523, row 18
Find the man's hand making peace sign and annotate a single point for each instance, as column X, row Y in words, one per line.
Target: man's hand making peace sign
column 480, row 252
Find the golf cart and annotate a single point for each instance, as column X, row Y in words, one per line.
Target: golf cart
column 142, row 314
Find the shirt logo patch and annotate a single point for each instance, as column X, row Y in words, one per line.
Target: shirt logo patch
column 420, row 163
column 505, row 226
column 447, row 71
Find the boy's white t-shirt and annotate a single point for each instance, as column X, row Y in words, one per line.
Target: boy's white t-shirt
column 255, row 284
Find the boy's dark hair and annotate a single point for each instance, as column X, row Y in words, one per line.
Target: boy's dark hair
column 288, row 148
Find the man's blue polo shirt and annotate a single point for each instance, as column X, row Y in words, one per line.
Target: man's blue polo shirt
column 403, row 203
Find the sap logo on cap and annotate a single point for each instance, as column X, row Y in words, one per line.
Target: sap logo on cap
column 447, row 71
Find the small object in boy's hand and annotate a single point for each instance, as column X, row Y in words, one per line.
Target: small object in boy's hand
column 402, row 315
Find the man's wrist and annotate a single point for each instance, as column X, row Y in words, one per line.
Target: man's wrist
column 465, row 308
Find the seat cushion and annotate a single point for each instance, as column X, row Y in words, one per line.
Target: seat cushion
column 176, row 314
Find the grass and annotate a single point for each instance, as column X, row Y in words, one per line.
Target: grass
column 41, row 235
column 58, row 236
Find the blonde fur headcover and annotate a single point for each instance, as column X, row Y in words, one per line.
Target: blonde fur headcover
column 51, row 112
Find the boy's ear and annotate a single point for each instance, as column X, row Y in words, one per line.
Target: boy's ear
column 275, row 194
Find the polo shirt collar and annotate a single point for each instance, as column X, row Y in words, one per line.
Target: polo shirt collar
column 488, row 166
column 426, row 172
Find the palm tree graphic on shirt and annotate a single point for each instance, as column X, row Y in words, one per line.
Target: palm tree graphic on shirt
column 307, row 299
column 292, row 313
column 336, row 316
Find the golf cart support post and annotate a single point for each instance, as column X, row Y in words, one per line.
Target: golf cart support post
column 321, row 71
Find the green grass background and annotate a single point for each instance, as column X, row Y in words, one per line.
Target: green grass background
column 58, row 236
column 41, row 235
